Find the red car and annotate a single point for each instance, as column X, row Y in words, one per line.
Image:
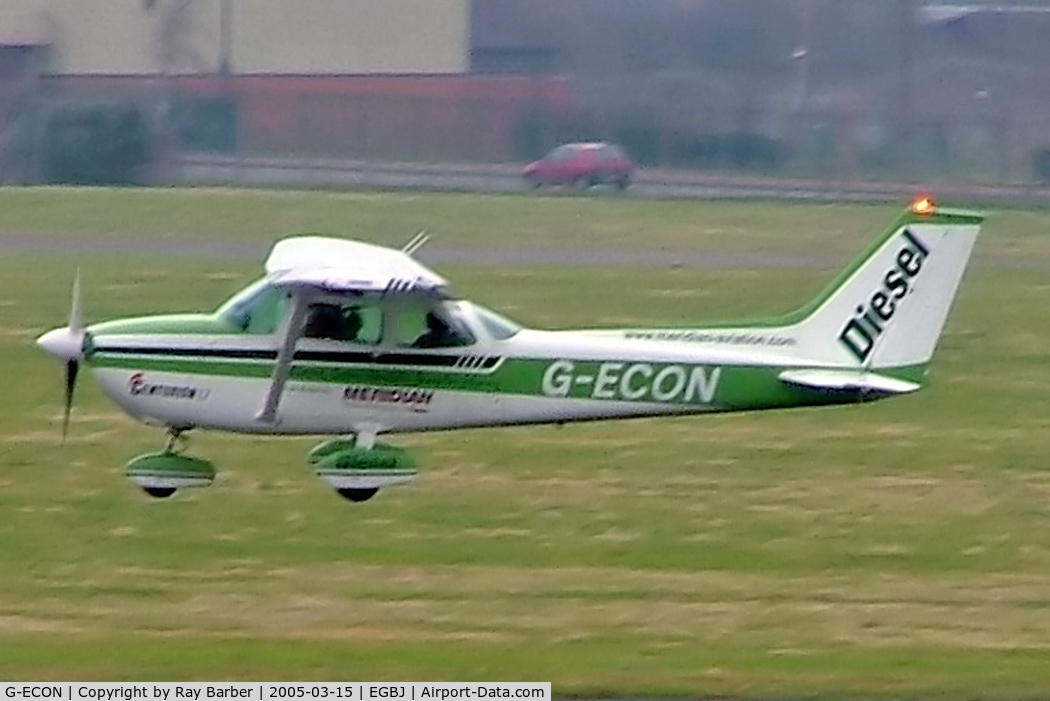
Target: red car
column 582, row 165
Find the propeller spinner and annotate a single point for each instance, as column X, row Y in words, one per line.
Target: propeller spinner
column 67, row 344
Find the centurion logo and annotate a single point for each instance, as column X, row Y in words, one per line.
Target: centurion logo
column 861, row 331
column 139, row 387
column 636, row 382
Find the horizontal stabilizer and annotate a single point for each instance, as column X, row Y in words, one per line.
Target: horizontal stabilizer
column 869, row 383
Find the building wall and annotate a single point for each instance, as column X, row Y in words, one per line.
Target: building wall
column 368, row 36
column 126, row 37
column 378, row 117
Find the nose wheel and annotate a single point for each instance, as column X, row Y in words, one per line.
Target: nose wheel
column 357, row 495
column 160, row 474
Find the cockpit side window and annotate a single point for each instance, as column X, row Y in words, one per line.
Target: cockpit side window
column 262, row 309
column 499, row 327
column 350, row 323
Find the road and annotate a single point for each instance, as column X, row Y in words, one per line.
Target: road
column 661, row 183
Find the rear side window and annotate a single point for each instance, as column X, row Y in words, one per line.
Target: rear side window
column 499, row 327
column 424, row 327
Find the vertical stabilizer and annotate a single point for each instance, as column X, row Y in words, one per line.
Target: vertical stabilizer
column 888, row 308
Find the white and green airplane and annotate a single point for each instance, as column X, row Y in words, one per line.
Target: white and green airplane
column 352, row 340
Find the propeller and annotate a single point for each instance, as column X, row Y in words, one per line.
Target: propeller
column 67, row 344
column 72, row 368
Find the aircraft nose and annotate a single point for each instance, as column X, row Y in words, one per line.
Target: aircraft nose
column 63, row 343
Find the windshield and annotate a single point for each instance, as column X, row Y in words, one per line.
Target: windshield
column 258, row 308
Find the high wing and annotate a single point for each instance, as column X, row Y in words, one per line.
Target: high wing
column 315, row 268
column 331, row 265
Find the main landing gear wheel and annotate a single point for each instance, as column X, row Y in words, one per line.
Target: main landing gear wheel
column 357, row 495
column 356, row 473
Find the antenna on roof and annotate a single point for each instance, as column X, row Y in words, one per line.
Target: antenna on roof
column 416, row 243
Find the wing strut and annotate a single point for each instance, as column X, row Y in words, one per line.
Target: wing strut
column 293, row 330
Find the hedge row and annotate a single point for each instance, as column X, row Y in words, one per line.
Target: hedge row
column 96, row 145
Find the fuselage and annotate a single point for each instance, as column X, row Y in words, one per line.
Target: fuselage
column 202, row 371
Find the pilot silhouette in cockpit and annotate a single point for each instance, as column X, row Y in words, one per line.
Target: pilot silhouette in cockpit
column 437, row 335
column 330, row 321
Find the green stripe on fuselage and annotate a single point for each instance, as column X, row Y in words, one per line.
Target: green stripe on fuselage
column 722, row 387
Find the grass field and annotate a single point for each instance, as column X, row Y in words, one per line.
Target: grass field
column 897, row 549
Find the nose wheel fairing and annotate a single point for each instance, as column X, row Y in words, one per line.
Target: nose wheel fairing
column 157, row 473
